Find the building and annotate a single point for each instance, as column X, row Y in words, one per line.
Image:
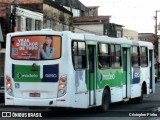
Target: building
column 4, row 19
column 150, row 37
column 99, row 25
column 55, row 16
column 91, row 24
column 1, row 36
column 74, row 6
column 115, row 30
column 28, row 20
column 24, row 15
column 130, row 34
column 92, row 11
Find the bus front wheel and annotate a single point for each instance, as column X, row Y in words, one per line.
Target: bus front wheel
column 105, row 101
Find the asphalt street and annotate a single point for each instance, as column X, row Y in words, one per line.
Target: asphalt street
column 121, row 110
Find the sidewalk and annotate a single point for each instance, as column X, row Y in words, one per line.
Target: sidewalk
column 156, row 97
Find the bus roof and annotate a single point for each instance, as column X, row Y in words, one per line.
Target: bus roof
column 85, row 37
column 144, row 43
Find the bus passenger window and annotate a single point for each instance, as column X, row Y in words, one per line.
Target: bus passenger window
column 135, row 56
column 79, row 54
column 103, row 55
column 115, row 56
column 144, row 56
column 74, row 48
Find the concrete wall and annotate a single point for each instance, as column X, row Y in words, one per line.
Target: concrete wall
column 130, row 34
column 92, row 28
column 57, row 17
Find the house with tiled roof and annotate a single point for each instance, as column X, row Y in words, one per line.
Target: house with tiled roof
column 91, row 24
column 99, row 25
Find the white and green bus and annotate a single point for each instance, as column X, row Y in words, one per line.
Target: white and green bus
column 65, row 69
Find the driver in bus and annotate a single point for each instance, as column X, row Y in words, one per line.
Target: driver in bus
column 46, row 50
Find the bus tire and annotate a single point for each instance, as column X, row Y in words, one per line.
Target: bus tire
column 105, row 101
column 139, row 99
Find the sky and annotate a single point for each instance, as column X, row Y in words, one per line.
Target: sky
column 138, row 15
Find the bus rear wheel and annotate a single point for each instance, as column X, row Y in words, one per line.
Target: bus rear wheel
column 105, row 101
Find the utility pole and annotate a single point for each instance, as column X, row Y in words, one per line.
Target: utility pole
column 13, row 16
column 156, row 23
column 70, row 5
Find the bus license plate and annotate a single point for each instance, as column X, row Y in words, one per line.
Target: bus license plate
column 34, row 94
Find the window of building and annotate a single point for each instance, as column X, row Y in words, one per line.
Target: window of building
column 1, row 35
column 28, row 24
column 37, row 25
column 106, row 32
column 61, row 26
column 135, row 56
column 76, row 12
column 115, row 56
column 103, row 55
column 79, row 54
column 18, row 23
column 144, row 56
column 50, row 23
column 119, row 34
column 66, row 28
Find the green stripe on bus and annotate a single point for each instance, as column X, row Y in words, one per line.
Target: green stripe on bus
column 25, row 73
column 111, row 77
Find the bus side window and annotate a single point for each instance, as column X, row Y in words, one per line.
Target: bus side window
column 115, row 56
column 144, row 56
column 79, row 54
column 135, row 56
column 103, row 55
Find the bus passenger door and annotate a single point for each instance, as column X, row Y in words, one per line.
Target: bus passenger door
column 91, row 74
column 152, row 71
column 126, row 69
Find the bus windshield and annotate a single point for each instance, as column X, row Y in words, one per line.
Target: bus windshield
column 35, row 47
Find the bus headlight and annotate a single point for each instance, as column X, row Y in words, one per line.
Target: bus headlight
column 62, row 86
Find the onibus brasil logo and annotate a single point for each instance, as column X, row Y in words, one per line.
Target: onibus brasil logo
column 20, row 75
